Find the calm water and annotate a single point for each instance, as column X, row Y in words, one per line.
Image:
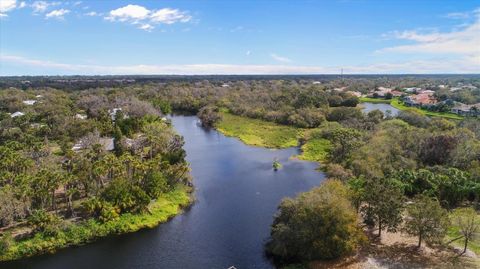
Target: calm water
column 367, row 107
column 237, row 194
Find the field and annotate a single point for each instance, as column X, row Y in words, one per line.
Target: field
column 258, row 132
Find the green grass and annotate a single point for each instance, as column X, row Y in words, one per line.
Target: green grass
column 315, row 149
column 396, row 103
column 165, row 207
column 259, row 132
column 474, row 245
column 374, row 100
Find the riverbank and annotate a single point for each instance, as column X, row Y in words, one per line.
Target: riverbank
column 75, row 234
column 266, row 134
column 257, row 132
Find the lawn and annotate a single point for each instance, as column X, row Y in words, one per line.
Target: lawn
column 258, row 132
column 396, row 103
column 474, row 245
column 374, row 100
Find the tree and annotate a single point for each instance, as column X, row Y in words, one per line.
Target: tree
column 319, row 224
column 468, row 222
column 426, row 219
column 384, row 204
column 344, row 140
column 209, row 116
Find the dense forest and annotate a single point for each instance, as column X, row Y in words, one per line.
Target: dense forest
column 410, row 173
column 75, row 166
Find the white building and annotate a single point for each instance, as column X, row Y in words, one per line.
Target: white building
column 29, row 102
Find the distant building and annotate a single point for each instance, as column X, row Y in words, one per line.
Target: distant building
column 106, row 142
column 355, row 93
column 80, row 116
column 466, row 110
column 316, row 82
column 29, row 102
column 225, row 85
column 17, row 114
column 423, row 99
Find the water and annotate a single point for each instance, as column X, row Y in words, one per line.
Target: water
column 237, row 194
column 367, row 107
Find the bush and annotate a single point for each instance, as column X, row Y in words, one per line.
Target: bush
column 319, row 224
column 6, row 241
column 45, row 222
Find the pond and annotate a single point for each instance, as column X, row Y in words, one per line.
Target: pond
column 367, row 107
column 237, row 194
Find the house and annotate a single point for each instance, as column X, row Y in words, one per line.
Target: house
column 423, row 99
column 80, row 116
column 29, row 102
column 355, row 93
column 17, row 114
column 316, row 83
column 466, row 110
column 106, row 143
column 225, row 85
column 113, row 113
column 396, row 93
column 39, row 96
column 412, row 89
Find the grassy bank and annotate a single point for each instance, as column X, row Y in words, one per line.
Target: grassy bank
column 396, row 103
column 165, row 207
column 316, row 150
column 257, row 132
column 374, row 100
column 473, row 245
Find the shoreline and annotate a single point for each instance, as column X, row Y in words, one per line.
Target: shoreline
column 88, row 231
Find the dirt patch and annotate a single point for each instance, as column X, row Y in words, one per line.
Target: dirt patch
column 399, row 251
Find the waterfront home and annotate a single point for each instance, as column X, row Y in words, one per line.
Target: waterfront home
column 423, row 99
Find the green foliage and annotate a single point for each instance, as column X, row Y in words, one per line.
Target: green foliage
column 468, row 223
column 45, row 222
column 167, row 206
column 155, row 184
column 259, row 133
column 319, row 224
column 426, row 219
column 383, row 204
column 6, row 241
column 316, row 150
column 125, row 196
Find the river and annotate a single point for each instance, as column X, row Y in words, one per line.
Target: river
column 367, row 107
column 237, row 194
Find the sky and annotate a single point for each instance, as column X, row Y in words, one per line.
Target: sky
column 106, row 37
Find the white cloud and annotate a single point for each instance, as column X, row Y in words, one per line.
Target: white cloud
column 22, row 5
column 58, row 13
column 40, row 6
column 92, row 14
column 248, row 53
column 463, row 43
column 411, row 67
column 279, row 58
column 146, row 27
column 458, row 15
column 129, row 13
column 136, row 14
column 169, row 16
column 6, row 6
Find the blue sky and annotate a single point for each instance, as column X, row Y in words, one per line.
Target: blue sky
column 238, row 37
